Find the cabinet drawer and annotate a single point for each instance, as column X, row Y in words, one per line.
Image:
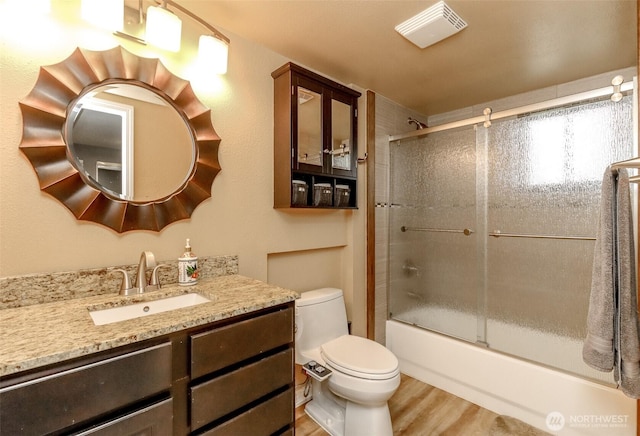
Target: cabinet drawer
column 227, row 345
column 264, row 419
column 155, row 420
column 222, row 395
column 70, row 397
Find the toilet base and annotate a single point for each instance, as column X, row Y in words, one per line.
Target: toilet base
column 340, row 417
column 332, row 423
column 367, row 421
column 361, row 421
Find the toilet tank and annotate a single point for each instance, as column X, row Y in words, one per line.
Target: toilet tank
column 320, row 316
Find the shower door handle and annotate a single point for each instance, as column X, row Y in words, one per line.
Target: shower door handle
column 499, row 234
column 466, row 232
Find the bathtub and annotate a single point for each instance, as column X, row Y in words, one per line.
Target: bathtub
column 550, row 400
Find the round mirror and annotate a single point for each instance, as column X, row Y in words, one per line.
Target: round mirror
column 119, row 140
column 129, row 142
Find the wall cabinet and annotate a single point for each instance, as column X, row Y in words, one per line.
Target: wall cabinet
column 315, row 140
column 227, row 378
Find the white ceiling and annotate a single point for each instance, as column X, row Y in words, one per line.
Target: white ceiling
column 509, row 46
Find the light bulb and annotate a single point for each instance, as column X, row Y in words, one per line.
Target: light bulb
column 105, row 14
column 164, row 29
column 213, row 54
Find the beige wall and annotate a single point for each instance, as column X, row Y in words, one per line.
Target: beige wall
column 39, row 235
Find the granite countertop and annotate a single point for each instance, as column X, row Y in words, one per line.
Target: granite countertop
column 42, row 334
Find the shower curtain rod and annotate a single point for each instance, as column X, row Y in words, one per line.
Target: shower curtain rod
column 535, row 107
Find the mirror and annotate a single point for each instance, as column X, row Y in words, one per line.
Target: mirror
column 113, row 132
column 309, row 127
column 97, row 186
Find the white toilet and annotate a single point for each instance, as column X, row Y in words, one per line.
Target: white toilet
column 352, row 401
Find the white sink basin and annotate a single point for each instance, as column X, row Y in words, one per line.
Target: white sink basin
column 123, row 313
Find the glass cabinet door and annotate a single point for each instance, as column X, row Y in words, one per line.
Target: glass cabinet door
column 310, row 150
column 341, row 135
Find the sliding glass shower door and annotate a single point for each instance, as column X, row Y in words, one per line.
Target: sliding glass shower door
column 432, row 258
column 492, row 229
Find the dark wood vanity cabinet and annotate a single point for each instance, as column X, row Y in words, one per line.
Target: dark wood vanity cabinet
column 242, row 376
column 231, row 377
column 315, row 140
column 107, row 394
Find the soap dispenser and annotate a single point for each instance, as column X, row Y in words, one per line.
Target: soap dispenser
column 187, row 267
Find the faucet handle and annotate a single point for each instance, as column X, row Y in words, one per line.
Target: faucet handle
column 125, row 285
column 154, row 282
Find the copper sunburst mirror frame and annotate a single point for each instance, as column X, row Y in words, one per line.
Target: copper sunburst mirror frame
column 44, row 114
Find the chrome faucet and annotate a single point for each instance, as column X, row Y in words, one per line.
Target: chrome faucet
column 147, row 260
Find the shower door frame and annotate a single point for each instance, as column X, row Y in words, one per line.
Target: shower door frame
column 628, row 87
column 370, row 158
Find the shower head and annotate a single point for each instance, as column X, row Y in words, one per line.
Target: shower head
column 419, row 125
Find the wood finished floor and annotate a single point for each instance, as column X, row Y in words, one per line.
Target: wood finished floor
column 419, row 409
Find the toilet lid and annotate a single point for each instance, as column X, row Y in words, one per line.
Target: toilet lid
column 360, row 357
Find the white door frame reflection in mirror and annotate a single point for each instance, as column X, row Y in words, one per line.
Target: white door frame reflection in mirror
column 118, row 138
column 44, row 114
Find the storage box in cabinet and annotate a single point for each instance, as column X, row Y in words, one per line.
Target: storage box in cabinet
column 222, row 395
column 343, row 193
column 224, row 346
column 299, row 192
column 322, row 194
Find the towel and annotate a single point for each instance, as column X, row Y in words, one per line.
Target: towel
column 598, row 348
column 627, row 365
column 613, row 331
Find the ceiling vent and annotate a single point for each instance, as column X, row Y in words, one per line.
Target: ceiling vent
column 431, row 25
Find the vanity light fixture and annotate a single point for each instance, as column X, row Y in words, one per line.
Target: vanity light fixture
column 106, row 14
column 164, row 28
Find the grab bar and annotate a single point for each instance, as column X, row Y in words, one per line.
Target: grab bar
column 422, row 229
column 499, row 234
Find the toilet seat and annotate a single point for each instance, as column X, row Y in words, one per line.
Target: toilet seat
column 360, row 357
